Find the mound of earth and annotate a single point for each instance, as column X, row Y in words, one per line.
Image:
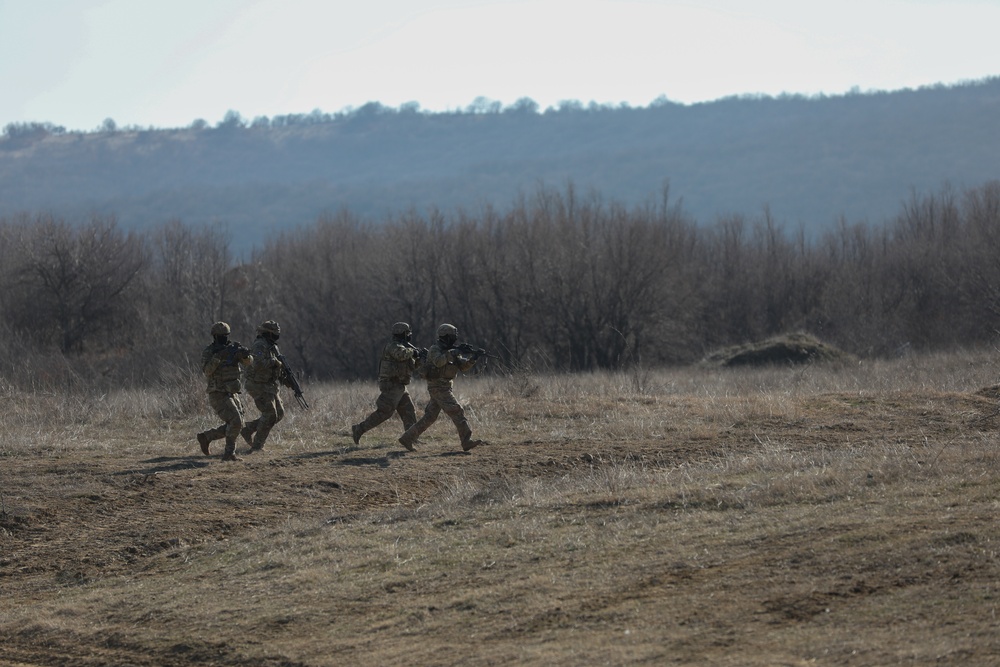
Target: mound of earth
column 793, row 348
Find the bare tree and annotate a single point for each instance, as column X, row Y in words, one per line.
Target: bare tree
column 76, row 281
column 189, row 269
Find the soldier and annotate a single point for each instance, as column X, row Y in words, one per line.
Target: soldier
column 444, row 361
column 266, row 371
column 399, row 358
column 221, row 363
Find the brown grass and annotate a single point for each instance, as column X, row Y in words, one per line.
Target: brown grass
column 782, row 516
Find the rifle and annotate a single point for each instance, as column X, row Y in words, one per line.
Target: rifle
column 467, row 348
column 289, row 380
column 235, row 351
column 223, row 355
column 231, row 350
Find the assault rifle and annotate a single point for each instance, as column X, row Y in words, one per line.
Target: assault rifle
column 223, row 355
column 234, row 352
column 476, row 352
column 289, row 380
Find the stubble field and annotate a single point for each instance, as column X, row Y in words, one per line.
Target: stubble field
column 783, row 516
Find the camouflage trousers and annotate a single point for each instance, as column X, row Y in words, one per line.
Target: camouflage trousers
column 271, row 412
column 442, row 400
column 229, row 408
column 393, row 399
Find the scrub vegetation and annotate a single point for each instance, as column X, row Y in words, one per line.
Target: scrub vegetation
column 558, row 282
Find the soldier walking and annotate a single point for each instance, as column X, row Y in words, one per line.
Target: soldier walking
column 444, row 361
column 262, row 379
column 221, row 363
column 399, row 358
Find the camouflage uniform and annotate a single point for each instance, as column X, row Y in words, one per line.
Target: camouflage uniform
column 221, row 363
column 262, row 380
column 397, row 362
column 443, row 363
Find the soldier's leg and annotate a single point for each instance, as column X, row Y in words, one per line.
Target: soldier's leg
column 384, row 408
column 250, row 427
column 385, row 405
column 430, row 415
column 233, row 414
column 206, row 437
column 407, row 413
column 451, row 407
column 218, row 402
column 268, row 405
column 216, row 433
column 279, row 409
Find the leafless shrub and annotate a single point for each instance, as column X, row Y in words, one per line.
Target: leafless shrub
column 559, row 281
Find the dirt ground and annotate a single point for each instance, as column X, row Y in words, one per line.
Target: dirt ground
column 913, row 581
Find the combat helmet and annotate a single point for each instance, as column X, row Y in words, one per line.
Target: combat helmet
column 400, row 329
column 220, row 329
column 446, row 330
column 269, row 327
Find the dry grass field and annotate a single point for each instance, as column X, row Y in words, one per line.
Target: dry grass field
column 783, row 516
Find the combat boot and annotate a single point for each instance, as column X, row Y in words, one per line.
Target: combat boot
column 260, row 438
column 248, row 431
column 469, row 443
column 357, row 431
column 406, row 441
column 465, row 435
column 203, row 442
column 230, row 453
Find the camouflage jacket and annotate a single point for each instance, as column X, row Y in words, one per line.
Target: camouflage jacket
column 266, row 370
column 397, row 362
column 221, row 365
column 443, row 365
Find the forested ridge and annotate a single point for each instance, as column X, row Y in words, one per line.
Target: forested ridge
column 557, row 280
column 809, row 161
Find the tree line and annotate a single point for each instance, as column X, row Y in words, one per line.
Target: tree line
column 558, row 280
column 26, row 132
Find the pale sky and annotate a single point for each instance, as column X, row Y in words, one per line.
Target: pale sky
column 165, row 63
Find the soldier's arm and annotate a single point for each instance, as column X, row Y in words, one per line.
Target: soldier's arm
column 260, row 358
column 242, row 355
column 438, row 357
column 401, row 353
column 209, row 362
column 465, row 363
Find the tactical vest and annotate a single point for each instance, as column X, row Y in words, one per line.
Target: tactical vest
column 392, row 369
column 222, row 368
column 265, row 368
column 438, row 374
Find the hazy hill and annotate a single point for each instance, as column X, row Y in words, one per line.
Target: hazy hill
column 811, row 160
